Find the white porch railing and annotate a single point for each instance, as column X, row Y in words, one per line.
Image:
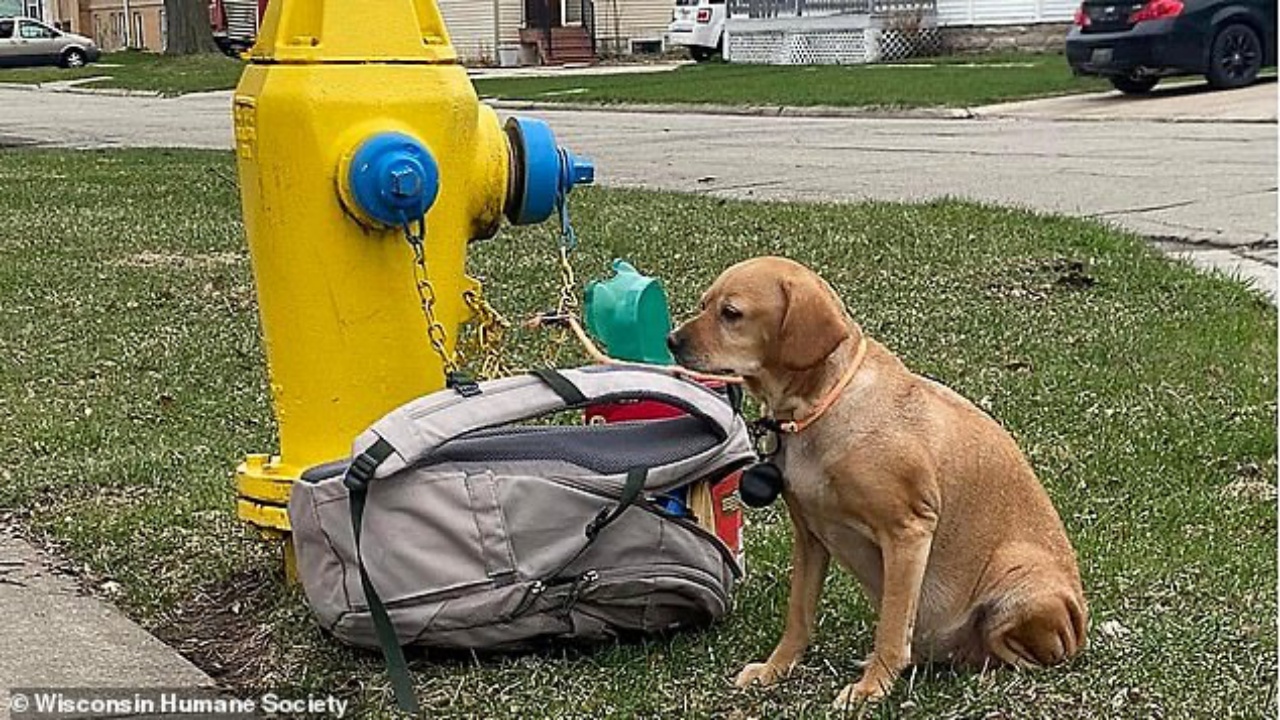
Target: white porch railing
column 762, row 9
column 806, row 32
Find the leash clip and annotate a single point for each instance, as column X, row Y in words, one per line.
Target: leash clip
column 765, row 436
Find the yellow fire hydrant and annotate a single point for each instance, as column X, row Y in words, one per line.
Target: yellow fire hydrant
column 356, row 129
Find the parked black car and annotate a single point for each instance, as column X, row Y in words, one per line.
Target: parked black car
column 1135, row 43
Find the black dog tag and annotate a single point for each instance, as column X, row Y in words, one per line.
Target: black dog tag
column 761, row 484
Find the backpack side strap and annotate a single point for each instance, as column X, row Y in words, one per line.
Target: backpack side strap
column 359, row 473
column 560, row 385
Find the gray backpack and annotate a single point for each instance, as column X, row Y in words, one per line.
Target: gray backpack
column 455, row 526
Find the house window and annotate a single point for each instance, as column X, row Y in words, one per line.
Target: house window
column 164, row 32
column 137, row 38
column 33, row 10
column 571, row 11
column 118, row 30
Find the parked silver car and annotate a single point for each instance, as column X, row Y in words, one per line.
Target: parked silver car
column 24, row 41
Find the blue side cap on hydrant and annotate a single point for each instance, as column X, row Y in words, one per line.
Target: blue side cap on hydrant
column 393, row 178
column 544, row 172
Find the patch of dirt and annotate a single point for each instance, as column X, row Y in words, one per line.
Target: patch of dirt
column 1039, row 279
column 148, row 259
column 225, row 629
column 1250, row 484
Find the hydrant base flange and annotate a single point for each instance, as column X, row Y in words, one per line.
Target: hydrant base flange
column 263, row 486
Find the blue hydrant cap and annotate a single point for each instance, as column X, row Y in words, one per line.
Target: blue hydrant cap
column 393, row 178
column 543, row 170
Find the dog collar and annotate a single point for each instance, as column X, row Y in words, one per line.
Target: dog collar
column 791, row 427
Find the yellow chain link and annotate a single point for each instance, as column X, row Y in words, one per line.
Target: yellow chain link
column 489, row 333
column 490, row 327
column 565, row 306
column 568, row 290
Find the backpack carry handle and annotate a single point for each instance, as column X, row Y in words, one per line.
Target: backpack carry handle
column 418, row 428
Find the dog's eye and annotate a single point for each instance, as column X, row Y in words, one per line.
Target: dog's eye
column 730, row 313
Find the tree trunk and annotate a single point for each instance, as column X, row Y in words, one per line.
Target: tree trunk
column 188, row 27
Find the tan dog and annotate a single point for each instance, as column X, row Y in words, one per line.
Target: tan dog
column 909, row 486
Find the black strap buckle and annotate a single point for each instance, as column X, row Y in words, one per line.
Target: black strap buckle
column 463, row 384
column 362, row 468
column 360, row 473
column 595, row 526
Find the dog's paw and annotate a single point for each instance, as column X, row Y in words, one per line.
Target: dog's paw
column 854, row 694
column 762, row 674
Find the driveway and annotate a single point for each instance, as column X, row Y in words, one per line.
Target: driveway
column 1204, row 188
column 1176, row 101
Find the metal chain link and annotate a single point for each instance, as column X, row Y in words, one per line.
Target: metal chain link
column 489, row 334
column 436, row 333
column 490, row 326
column 567, row 304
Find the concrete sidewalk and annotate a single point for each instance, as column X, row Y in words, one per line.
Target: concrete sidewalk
column 1178, row 101
column 55, row 636
column 542, row 71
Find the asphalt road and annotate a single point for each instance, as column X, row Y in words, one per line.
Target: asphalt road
column 1182, row 183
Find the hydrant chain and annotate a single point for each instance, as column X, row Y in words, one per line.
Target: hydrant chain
column 568, row 237
column 436, row 333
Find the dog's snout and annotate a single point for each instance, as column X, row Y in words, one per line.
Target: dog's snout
column 674, row 343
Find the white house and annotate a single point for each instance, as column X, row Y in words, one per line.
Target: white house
column 554, row 31
column 798, row 32
column 954, row 13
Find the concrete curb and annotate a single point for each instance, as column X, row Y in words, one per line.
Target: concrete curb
column 115, row 92
column 56, row 635
column 816, row 111
column 72, row 87
column 867, row 113
column 980, row 114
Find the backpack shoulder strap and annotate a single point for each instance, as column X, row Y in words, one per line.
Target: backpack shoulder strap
column 418, row 428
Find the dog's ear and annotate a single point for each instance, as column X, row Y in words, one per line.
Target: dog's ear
column 813, row 323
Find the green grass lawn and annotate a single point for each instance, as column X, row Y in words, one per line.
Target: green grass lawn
column 949, row 82
column 132, row 381
column 142, row 71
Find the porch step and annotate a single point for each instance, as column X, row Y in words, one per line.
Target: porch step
column 568, row 45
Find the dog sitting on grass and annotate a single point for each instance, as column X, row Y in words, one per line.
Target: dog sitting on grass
column 923, row 497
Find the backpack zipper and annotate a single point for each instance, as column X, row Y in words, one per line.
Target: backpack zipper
column 439, row 595
column 698, row 577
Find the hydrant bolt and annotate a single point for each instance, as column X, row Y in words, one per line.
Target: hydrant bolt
column 405, row 181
